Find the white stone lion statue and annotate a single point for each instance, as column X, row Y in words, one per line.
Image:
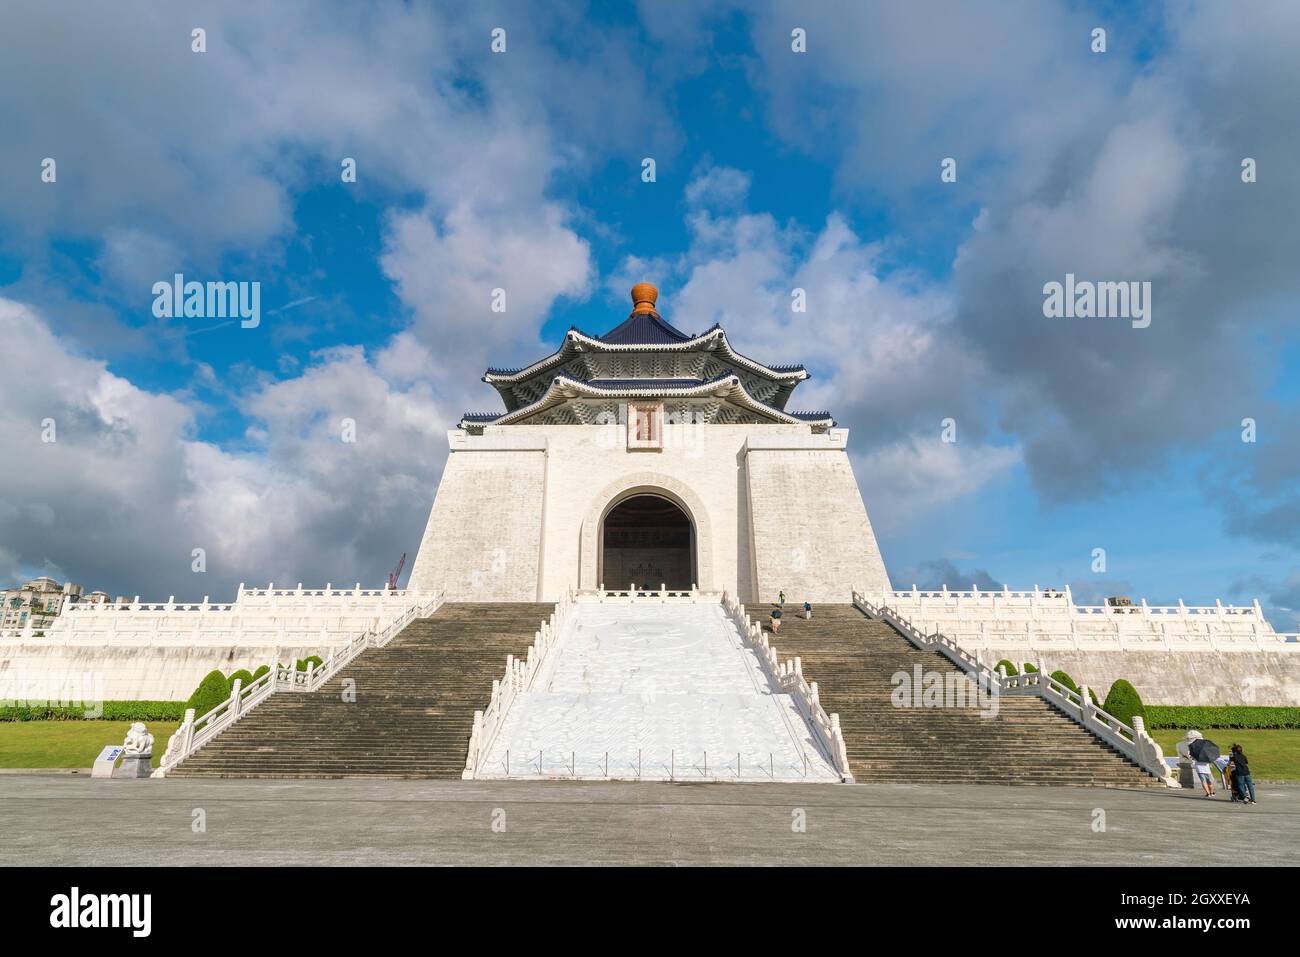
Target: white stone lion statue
column 138, row 740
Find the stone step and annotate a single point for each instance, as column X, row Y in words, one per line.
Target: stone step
column 414, row 707
column 853, row 659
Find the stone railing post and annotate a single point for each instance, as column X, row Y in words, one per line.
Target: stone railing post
column 234, row 697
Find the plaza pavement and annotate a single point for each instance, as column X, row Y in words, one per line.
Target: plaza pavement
column 73, row 820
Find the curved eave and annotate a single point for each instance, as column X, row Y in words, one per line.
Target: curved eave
column 577, row 342
column 822, row 419
column 728, row 386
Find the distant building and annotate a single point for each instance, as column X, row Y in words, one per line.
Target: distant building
column 40, row 601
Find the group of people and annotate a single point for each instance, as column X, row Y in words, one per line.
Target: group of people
column 1235, row 769
column 780, row 610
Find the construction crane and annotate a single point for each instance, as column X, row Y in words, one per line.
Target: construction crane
column 392, row 579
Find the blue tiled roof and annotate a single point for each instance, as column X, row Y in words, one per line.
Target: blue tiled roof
column 645, row 383
column 644, row 328
column 810, row 416
column 480, row 416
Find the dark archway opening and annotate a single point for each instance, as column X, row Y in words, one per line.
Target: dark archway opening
column 647, row 541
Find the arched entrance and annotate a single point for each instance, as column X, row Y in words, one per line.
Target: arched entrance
column 647, row 540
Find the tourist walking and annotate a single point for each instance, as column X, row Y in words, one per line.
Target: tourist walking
column 781, row 599
column 1199, row 754
column 1206, row 776
column 1241, row 775
column 776, row 620
column 807, row 610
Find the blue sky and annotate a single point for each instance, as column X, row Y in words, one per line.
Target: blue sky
column 774, row 170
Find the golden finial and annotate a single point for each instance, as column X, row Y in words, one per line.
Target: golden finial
column 643, row 298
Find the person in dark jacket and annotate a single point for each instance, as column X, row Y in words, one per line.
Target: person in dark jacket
column 1241, row 775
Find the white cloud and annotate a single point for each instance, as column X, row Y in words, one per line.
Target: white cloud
column 1109, row 167
column 171, row 160
column 126, row 477
column 447, row 275
column 915, row 477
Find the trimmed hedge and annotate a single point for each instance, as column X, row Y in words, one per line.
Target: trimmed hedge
column 111, row 711
column 1030, row 668
column 301, row 664
column 1123, row 701
column 1011, row 669
column 261, row 670
column 1220, row 716
column 1062, row 678
column 212, row 690
column 245, row 678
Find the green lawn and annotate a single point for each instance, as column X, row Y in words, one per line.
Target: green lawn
column 1274, row 754
column 68, row 744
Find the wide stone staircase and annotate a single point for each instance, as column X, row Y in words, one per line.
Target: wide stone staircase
column 413, row 710
column 853, row 657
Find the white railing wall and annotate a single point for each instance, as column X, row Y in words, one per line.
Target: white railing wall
column 603, row 595
column 1044, row 619
column 196, row 732
column 291, row 617
column 1133, row 742
column 518, row 678
column 788, row 676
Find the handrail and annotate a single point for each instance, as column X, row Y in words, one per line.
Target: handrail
column 1133, row 742
column 633, row 593
column 195, row 732
column 789, row 678
column 682, row 764
column 518, row 678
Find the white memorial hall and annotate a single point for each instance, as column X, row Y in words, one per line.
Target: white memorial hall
column 596, row 596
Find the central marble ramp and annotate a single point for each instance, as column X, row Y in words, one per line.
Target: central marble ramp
column 655, row 691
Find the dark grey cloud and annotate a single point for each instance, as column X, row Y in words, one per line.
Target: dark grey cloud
column 1104, row 166
column 937, row 572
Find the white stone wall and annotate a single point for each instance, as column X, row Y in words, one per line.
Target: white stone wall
column 1052, row 621
column 518, row 512
column 812, row 537
column 1173, row 654
column 42, row 671
column 161, row 650
column 293, row 617
column 483, row 539
column 1175, row 677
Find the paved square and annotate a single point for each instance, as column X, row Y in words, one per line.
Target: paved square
column 72, row 820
